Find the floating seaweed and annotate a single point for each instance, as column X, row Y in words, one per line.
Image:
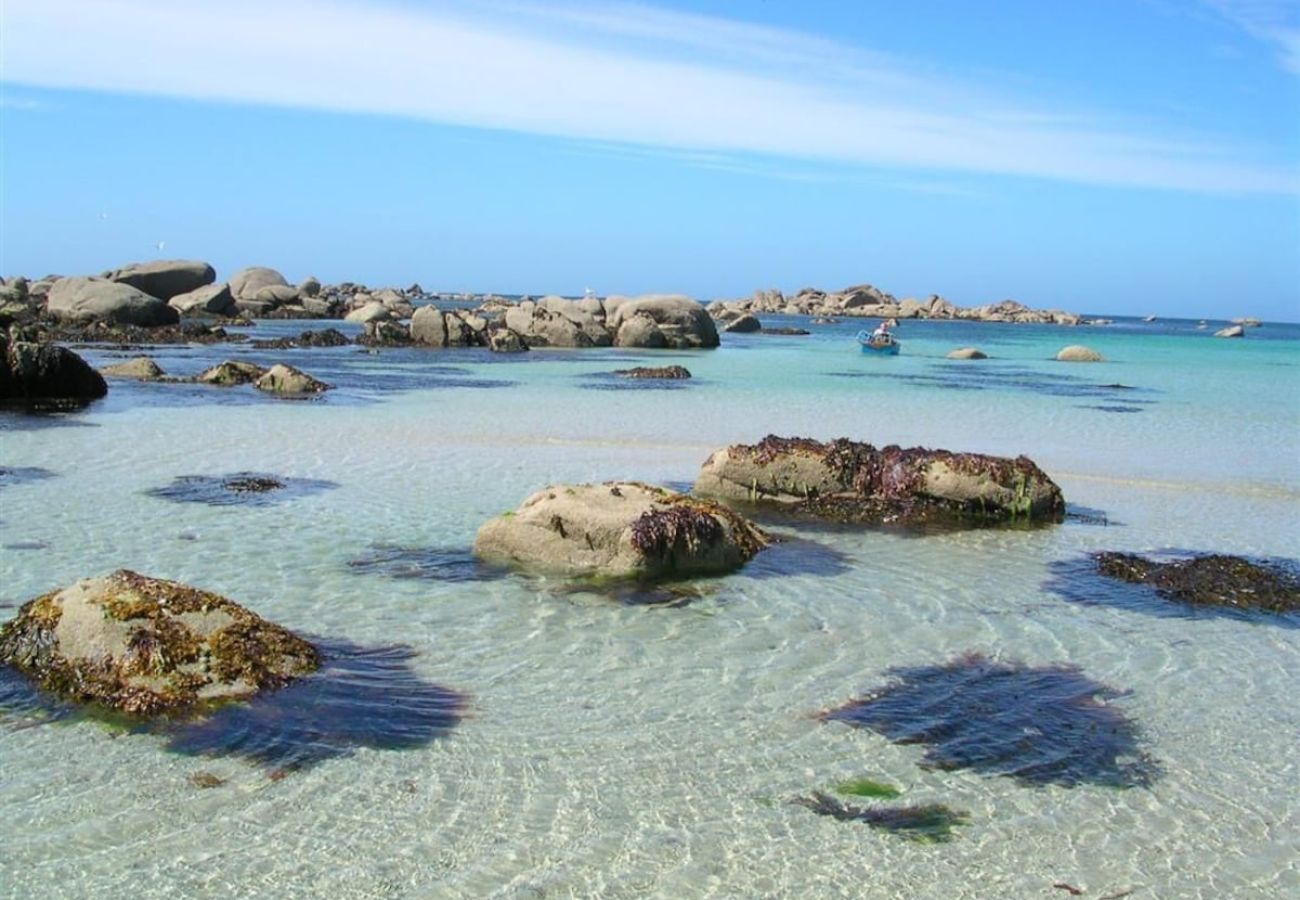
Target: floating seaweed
column 1039, row 725
column 866, row 787
column 425, row 564
column 238, row 489
column 930, row 823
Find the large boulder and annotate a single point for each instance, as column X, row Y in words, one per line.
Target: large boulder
column 139, row 368
column 557, row 322
column 744, row 324
column 1078, row 353
column 681, row 321
column 41, row 375
column 856, row 482
column 967, row 353
column 284, row 379
column 620, row 530
column 146, row 646
column 246, row 283
column 98, row 300
column 428, row 326
column 212, row 299
column 230, row 373
column 166, row 278
column 374, row 311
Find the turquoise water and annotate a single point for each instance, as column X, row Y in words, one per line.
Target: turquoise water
column 613, row 749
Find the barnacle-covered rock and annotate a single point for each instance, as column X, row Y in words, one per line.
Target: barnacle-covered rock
column 1211, row 580
column 146, row 646
column 849, row 481
column 620, row 529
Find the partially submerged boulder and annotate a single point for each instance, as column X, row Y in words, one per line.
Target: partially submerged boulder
column 655, row 372
column 146, row 646
column 967, row 353
column 230, row 373
column 1232, row 331
column 141, row 368
column 95, row 299
column 660, row 320
column 1078, row 353
column 620, row 530
column 42, row 375
column 1213, row 580
column 284, row 379
column 855, row 482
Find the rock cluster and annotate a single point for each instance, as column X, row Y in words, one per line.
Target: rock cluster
column 39, row 375
column 868, row 301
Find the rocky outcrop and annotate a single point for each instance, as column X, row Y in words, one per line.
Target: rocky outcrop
column 864, row 300
column 284, row 379
column 38, row 375
column 619, row 530
column 373, row 311
column 166, row 278
column 99, row 300
column 141, row 368
column 967, row 353
column 855, row 482
column 1214, row 580
column 660, row 320
column 257, row 283
column 660, row 372
column 557, row 322
column 1078, row 353
column 743, row 324
column 146, row 646
column 212, row 299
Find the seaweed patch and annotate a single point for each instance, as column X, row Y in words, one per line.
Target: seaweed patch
column 928, row 823
column 1039, row 725
column 238, row 489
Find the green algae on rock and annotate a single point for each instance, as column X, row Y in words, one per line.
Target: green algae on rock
column 146, row 646
column 1213, row 580
column 849, row 481
column 930, row 823
column 620, row 530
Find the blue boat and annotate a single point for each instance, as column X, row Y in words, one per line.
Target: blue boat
column 881, row 344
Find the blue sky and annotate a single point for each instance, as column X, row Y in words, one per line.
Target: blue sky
column 1125, row 156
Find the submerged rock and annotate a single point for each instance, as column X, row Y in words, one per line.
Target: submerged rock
column 44, row 376
column 141, row 368
column 664, row 372
column 1078, row 353
column 622, row 530
column 146, row 646
column 1215, row 580
column 230, row 373
column 855, row 482
column 930, row 823
column 1039, row 725
column 283, row 379
column 967, row 353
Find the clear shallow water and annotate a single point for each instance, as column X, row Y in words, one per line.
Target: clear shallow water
column 618, row 750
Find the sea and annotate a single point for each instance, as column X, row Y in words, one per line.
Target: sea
column 480, row 732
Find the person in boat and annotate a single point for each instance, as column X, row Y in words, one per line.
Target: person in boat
column 881, row 334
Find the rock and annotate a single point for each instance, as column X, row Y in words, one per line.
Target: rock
column 968, row 353
column 1232, row 331
column 284, row 379
column 502, row 340
column 683, row 322
column 787, row 331
column 557, row 322
column 855, row 482
column 384, row 333
column 230, row 373
column 640, row 331
column 373, row 311
column 1078, row 353
column 746, row 324
column 275, row 294
column 428, row 326
column 166, row 278
column 461, row 329
column 146, row 646
column 1148, row 318
column 328, row 337
column 94, row 299
column 1213, row 580
column 320, row 307
column 245, row 283
column 214, row 299
column 309, row 286
column 619, row 530
column 44, row 376
column 141, row 368
column 667, row 372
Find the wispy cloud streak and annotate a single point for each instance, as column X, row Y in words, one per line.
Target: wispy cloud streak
column 618, row 73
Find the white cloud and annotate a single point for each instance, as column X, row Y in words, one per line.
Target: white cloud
column 1275, row 22
column 616, row 73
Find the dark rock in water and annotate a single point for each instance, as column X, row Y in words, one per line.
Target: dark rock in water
column 41, row 376
column 141, row 368
column 230, row 373
column 360, row 697
column 22, row 474
column 666, row 372
column 384, row 333
column 238, row 489
column 1214, row 580
column 855, row 482
column 424, row 563
column 133, row 335
column 329, row 337
column 931, row 823
column 1039, row 725
column 789, row 332
column 145, row 646
column 744, row 324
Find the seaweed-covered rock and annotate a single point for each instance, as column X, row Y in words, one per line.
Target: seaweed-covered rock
column 283, row 379
column 1212, row 580
column 41, row 375
column 620, row 529
column 855, row 482
column 146, row 646
column 230, row 373
column 660, row 372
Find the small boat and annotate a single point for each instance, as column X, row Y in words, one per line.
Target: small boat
column 881, row 344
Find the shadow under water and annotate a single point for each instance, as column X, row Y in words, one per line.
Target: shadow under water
column 1038, row 725
column 965, row 377
column 425, row 564
column 1078, row 580
column 791, row 555
column 361, row 697
column 23, row 475
column 238, row 489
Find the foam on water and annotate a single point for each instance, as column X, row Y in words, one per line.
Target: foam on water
column 619, row 749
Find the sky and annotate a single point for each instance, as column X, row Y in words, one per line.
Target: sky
column 1102, row 156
